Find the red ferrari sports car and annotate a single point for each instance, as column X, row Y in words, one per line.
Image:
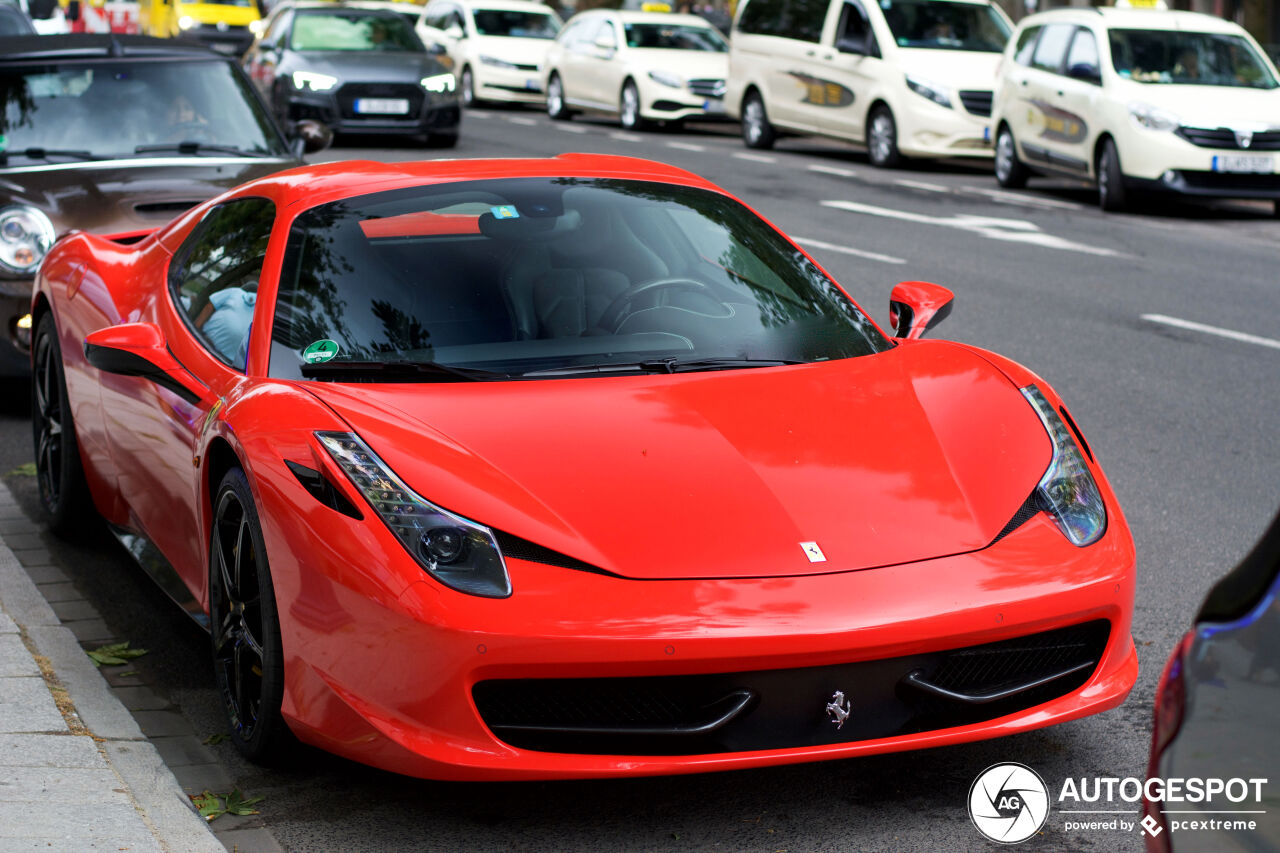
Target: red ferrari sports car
column 571, row 467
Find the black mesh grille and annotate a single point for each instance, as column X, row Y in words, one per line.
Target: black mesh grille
column 348, row 94
column 1029, row 509
column 523, row 549
column 789, row 708
column 977, row 102
column 1223, row 137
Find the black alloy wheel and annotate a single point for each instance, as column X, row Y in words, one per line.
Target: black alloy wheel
column 248, row 661
column 63, row 491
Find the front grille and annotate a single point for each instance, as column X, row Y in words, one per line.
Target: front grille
column 654, row 715
column 1231, row 182
column 348, row 94
column 977, row 102
column 1225, row 137
column 707, row 88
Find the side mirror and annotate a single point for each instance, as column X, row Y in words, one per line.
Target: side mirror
column 1086, row 72
column 436, row 49
column 454, row 31
column 856, row 46
column 139, row 349
column 915, row 307
column 308, row 136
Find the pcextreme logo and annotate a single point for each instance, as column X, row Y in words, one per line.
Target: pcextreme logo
column 1010, row 802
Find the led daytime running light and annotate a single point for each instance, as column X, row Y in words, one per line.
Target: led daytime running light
column 459, row 553
column 1067, row 490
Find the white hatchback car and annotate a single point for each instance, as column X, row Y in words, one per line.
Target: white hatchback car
column 1139, row 100
column 641, row 66
column 496, row 47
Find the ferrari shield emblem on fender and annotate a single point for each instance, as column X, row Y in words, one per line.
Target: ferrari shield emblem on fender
column 839, row 709
column 813, row 552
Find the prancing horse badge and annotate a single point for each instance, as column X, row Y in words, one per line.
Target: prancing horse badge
column 813, row 552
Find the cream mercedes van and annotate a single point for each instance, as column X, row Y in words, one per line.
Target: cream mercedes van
column 903, row 77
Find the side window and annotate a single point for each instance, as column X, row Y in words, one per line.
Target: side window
column 762, row 17
column 854, row 30
column 213, row 277
column 1052, row 47
column 804, row 19
column 274, row 36
column 1082, row 58
column 1026, row 44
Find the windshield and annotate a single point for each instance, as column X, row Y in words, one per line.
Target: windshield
column 566, row 275
column 945, row 26
column 354, row 31
column 1195, row 59
column 516, row 24
column 110, row 109
column 674, row 37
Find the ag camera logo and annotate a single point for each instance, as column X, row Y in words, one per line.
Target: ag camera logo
column 1008, row 803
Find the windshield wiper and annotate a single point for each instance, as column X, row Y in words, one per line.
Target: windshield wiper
column 37, row 153
column 190, row 146
column 671, row 364
column 397, row 371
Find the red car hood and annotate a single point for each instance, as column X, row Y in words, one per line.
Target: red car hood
column 918, row 452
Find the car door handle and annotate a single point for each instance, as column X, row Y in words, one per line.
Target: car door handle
column 1022, row 82
column 810, row 52
column 1060, row 93
column 826, row 56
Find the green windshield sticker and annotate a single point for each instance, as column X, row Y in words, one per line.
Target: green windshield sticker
column 505, row 211
column 4, row 143
column 320, row 351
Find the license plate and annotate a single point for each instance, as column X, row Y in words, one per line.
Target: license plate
column 713, row 106
column 382, row 106
column 1256, row 163
column 986, row 134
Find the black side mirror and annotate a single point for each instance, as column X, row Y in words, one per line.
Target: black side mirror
column 1086, row 72
column 858, row 46
column 308, row 136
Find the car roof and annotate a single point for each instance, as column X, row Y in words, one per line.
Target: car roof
column 506, row 5
column 1137, row 19
column 94, row 45
column 628, row 16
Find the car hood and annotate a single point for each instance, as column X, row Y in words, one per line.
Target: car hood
column 367, row 66
column 521, row 51
column 135, row 194
column 689, row 64
column 959, row 69
column 1235, row 107
column 213, row 13
column 922, row 451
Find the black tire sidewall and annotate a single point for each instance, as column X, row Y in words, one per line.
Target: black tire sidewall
column 68, row 512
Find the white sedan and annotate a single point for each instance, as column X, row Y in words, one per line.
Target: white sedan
column 643, row 67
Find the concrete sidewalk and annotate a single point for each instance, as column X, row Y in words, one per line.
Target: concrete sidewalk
column 76, row 771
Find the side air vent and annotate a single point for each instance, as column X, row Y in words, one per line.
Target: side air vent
column 323, row 490
column 523, row 549
column 1029, row 509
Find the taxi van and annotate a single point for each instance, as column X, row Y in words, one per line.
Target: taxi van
column 1139, row 100
column 905, row 78
column 227, row 26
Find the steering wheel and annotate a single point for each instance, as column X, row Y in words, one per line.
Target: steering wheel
column 616, row 312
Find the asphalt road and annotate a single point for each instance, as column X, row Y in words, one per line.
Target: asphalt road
column 1182, row 418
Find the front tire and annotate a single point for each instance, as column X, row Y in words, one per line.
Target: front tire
column 1010, row 171
column 468, row 86
column 757, row 131
column 629, row 108
column 882, row 139
column 1111, row 191
column 64, row 494
column 248, row 660
column 556, row 107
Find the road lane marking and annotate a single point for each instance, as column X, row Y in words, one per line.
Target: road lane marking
column 991, row 227
column 846, row 250
column 832, row 170
column 626, row 137
column 1017, row 198
column 755, row 158
column 921, row 185
column 1212, row 330
column 686, row 146
column 522, row 121
column 479, row 114
column 572, row 128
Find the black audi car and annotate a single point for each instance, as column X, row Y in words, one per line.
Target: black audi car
column 357, row 70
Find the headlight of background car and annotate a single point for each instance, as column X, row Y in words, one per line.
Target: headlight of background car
column 256, row 27
column 930, row 90
column 25, row 237
column 313, row 81
column 459, row 553
column 666, row 78
column 186, row 22
column 1152, row 118
column 438, row 83
column 496, row 62
column 1067, row 490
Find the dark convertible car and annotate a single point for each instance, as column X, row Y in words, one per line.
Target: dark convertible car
column 115, row 135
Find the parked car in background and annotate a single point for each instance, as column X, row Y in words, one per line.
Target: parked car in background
column 643, row 67
column 407, row 9
column 1139, row 100
column 496, row 47
column 356, row 71
column 907, row 78
column 1216, row 704
column 115, row 135
column 225, row 25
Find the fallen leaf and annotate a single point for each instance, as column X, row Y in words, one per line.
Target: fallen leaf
column 27, row 470
column 115, row 654
column 238, row 803
column 213, row 740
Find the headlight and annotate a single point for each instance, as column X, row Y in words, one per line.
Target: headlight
column 1152, row 118
column 666, row 78
column 25, row 237
column 313, row 81
column 459, row 553
column 187, row 22
column 438, row 83
column 930, row 90
column 1067, row 490
column 496, row 62
column 256, row 27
